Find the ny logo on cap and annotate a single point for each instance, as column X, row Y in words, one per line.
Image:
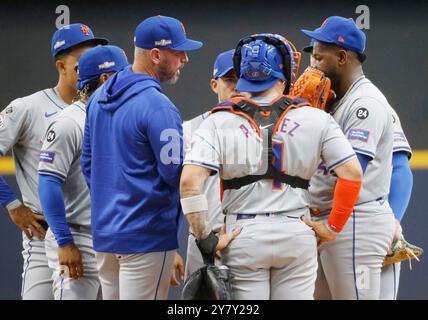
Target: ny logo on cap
column 163, row 42
column 85, row 30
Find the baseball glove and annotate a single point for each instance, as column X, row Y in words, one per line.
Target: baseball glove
column 208, row 283
column 315, row 87
column 402, row 250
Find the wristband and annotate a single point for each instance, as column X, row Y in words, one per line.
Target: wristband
column 207, row 247
column 330, row 229
column 193, row 204
column 13, row 205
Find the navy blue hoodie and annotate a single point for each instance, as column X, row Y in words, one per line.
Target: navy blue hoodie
column 131, row 160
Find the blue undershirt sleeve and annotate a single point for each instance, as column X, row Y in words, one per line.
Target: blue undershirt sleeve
column 52, row 202
column 364, row 160
column 6, row 194
column 401, row 184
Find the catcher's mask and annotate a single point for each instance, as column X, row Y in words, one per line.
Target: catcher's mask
column 258, row 64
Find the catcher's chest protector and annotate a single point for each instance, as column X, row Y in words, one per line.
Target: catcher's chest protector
column 264, row 118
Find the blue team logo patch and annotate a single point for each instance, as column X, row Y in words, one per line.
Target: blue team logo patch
column 358, row 134
column 47, row 156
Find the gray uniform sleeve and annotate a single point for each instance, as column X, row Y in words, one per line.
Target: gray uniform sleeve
column 13, row 125
column 400, row 142
column 61, row 146
column 204, row 147
column 365, row 124
column 336, row 149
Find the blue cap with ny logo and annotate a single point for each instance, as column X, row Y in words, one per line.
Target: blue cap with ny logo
column 72, row 35
column 340, row 31
column 164, row 33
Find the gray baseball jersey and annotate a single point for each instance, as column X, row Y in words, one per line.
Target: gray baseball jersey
column 22, row 126
column 60, row 157
column 229, row 143
column 365, row 118
column 24, row 123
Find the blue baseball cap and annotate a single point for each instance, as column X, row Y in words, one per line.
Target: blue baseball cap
column 223, row 64
column 164, row 33
column 99, row 60
column 261, row 67
column 71, row 35
column 340, row 31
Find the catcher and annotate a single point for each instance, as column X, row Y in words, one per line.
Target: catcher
column 272, row 252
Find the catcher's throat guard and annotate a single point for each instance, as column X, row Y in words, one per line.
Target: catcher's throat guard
column 268, row 117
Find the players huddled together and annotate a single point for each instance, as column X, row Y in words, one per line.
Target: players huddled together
column 293, row 194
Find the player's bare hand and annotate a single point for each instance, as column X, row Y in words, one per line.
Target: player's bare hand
column 69, row 256
column 28, row 221
column 225, row 238
column 397, row 231
column 321, row 231
column 178, row 266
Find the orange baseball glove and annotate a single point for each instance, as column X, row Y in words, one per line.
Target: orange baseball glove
column 315, row 87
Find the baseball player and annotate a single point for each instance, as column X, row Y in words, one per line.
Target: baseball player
column 22, row 126
column 350, row 267
column 132, row 159
column 224, row 85
column 399, row 194
column 64, row 195
column 262, row 151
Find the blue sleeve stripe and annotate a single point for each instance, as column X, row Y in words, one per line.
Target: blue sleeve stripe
column 403, row 148
column 334, row 165
column 366, row 152
column 52, row 173
column 203, row 164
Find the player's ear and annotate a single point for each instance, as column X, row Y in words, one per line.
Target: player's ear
column 214, row 86
column 60, row 67
column 103, row 78
column 342, row 57
column 155, row 55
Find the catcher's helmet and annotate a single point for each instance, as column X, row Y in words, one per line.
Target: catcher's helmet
column 261, row 59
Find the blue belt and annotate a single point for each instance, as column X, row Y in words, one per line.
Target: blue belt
column 241, row 216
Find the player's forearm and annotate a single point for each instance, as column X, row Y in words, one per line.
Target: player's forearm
column 197, row 220
column 52, row 202
column 193, row 200
column 401, row 184
column 346, row 194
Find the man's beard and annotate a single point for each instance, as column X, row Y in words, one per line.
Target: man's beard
column 165, row 75
column 334, row 78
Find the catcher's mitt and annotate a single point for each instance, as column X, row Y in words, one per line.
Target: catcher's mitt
column 402, row 250
column 315, row 87
column 208, row 283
